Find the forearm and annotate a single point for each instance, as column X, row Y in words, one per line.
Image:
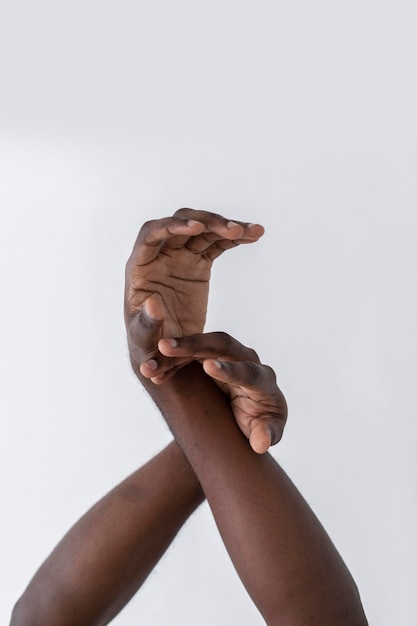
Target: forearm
column 282, row 553
column 107, row 555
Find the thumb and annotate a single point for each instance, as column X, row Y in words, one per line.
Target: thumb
column 261, row 435
column 145, row 329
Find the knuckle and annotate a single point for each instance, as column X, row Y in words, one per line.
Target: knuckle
column 146, row 227
column 253, row 355
column 180, row 212
column 144, row 233
column 270, row 373
column 189, row 343
column 225, row 339
column 192, row 341
column 252, row 371
column 214, row 216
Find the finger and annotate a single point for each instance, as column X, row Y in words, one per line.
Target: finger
column 161, row 378
column 161, row 368
column 207, row 240
column 252, row 376
column 154, row 234
column 212, row 245
column 217, row 248
column 223, row 226
column 257, row 384
column 216, row 345
column 175, row 353
column 264, row 432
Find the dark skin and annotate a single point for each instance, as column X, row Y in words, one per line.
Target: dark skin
column 103, row 560
column 171, row 263
column 106, row 556
column 281, row 552
column 167, row 286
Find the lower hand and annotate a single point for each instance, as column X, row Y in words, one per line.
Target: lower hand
column 258, row 404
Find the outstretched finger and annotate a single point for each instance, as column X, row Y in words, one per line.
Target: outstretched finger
column 218, row 228
column 160, row 368
column 224, row 226
column 175, row 353
column 216, row 345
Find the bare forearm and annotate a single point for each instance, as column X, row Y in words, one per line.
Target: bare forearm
column 107, row 555
column 282, row 553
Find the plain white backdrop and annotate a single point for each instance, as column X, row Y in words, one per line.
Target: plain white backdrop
column 297, row 115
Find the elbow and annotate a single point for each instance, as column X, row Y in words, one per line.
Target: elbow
column 20, row 614
column 41, row 607
column 29, row 611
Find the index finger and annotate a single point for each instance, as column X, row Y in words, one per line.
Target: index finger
column 223, row 226
column 208, row 346
column 257, row 378
column 154, row 233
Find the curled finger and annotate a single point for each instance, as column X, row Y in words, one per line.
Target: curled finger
column 253, row 376
column 223, row 226
column 155, row 233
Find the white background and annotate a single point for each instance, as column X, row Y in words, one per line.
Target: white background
column 299, row 115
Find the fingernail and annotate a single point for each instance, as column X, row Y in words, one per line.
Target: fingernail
column 172, row 342
column 192, row 222
column 218, row 364
column 152, row 364
column 232, row 224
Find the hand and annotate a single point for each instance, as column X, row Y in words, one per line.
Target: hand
column 167, row 277
column 258, row 404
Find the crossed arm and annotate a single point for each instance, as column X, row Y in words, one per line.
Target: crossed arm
column 281, row 552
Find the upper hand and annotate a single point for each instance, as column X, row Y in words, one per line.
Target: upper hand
column 258, row 404
column 168, row 273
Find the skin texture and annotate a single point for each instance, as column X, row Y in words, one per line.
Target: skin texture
column 166, row 294
column 103, row 560
column 109, row 552
column 258, row 405
column 281, row 552
column 170, row 268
